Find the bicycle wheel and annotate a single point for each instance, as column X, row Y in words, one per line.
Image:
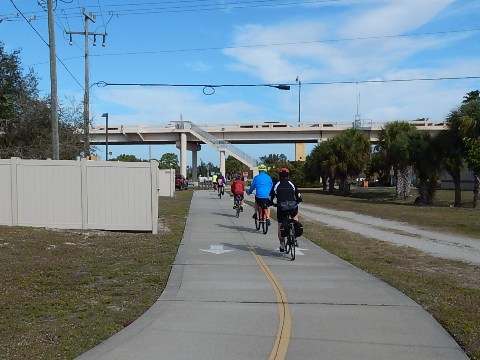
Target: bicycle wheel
column 219, row 192
column 264, row 222
column 237, row 205
column 291, row 240
column 257, row 221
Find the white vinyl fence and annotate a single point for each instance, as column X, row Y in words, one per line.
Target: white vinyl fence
column 166, row 181
column 79, row 194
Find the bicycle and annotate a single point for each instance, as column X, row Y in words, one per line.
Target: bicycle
column 221, row 191
column 289, row 207
column 290, row 244
column 238, row 205
column 261, row 219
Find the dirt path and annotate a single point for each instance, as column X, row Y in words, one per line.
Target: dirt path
column 434, row 243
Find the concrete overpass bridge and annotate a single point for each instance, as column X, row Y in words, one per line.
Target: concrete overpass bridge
column 222, row 137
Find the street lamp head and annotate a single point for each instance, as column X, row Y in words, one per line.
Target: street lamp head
column 279, row 87
column 105, row 115
column 282, row 87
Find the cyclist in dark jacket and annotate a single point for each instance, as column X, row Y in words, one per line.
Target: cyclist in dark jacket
column 284, row 190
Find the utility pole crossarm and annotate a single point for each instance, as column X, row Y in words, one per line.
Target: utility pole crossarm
column 88, row 16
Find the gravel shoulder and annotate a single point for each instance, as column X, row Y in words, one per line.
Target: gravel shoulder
column 438, row 244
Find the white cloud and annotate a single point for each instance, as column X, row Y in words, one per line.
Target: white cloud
column 383, row 58
column 160, row 106
column 395, row 17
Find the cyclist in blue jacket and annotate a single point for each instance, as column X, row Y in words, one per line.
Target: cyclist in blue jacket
column 262, row 184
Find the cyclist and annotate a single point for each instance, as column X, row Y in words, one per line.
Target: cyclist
column 214, row 182
column 284, row 190
column 262, row 184
column 238, row 189
column 221, row 182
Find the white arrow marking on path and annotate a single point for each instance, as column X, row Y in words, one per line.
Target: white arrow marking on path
column 298, row 250
column 216, row 249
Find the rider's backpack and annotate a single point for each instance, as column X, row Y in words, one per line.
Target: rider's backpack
column 288, row 206
column 237, row 188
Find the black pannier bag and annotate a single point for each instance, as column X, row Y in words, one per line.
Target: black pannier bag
column 284, row 228
column 288, row 205
column 297, row 225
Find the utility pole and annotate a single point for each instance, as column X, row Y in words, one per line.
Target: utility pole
column 53, row 83
column 86, row 99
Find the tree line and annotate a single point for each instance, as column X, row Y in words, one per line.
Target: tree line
column 405, row 151
column 25, row 126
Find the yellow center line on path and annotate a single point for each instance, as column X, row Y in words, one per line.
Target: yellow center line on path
column 280, row 347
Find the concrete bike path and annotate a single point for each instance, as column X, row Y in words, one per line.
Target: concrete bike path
column 232, row 295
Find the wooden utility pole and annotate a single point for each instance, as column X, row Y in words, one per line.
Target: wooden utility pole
column 86, row 98
column 53, row 83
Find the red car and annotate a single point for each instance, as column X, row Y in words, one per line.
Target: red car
column 181, row 182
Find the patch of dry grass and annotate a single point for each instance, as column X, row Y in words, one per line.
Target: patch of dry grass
column 64, row 292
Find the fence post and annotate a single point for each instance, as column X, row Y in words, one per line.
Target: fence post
column 84, row 192
column 14, row 161
column 154, row 191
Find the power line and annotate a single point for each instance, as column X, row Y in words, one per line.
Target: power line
column 280, row 44
column 29, row 23
column 175, row 8
column 282, row 86
column 276, row 44
column 46, row 43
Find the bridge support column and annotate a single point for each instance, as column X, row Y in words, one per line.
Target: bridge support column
column 300, row 152
column 183, row 154
column 222, row 162
column 194, row 165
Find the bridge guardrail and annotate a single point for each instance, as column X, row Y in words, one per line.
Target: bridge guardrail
column 217, row 143
column 363, row 124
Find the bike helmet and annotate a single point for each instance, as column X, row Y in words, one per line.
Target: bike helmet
column 262, row 167
column 238, row 176
column 283, row 172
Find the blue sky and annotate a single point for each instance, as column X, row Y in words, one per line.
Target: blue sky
column 255, row 42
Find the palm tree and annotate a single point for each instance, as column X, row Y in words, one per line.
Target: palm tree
column 393, row 144
column 471, row 96
column 470, row 129
column 426, row 155
column 377, row 169
column 351, row 152
column 315, row 166
column 453, row 152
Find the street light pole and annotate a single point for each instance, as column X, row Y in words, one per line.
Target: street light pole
column 105, row 115
column 299, row 89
